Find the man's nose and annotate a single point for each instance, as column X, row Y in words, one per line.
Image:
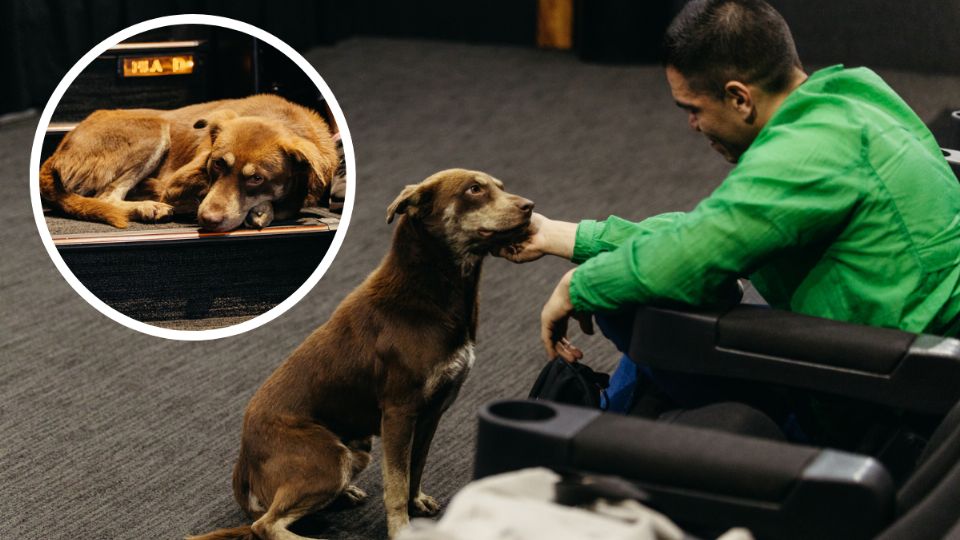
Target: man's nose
column 692, row 120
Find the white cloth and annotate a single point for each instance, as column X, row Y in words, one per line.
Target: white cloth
column 517, row 506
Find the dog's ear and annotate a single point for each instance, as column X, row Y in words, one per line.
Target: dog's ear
column 321, row 162
column 213, row 121
column 411, row 201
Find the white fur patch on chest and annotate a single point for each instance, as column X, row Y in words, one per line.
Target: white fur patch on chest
column 454, row 370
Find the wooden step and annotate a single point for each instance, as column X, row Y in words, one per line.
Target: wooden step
column 176, row 275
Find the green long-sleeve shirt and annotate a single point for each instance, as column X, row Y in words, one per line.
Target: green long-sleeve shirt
column 843, row 207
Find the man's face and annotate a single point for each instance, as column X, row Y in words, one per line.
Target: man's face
column 720, row 120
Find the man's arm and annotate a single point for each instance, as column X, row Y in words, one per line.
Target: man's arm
column 580, row 241
column 800, row 188
column 791, row 192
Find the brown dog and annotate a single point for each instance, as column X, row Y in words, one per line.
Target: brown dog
column 226, row 157
column 389, row 362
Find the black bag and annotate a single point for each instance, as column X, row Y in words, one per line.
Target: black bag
column 571, row 383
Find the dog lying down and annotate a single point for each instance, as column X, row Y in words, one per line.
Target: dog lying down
column 388, row 362
column 259, row 156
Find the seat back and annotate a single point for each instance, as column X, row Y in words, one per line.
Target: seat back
column 927, row 503
column 941, row 455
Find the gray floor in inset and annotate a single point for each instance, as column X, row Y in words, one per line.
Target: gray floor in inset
column 108, row 433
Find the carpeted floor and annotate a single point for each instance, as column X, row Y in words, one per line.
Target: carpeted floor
column 112, row 434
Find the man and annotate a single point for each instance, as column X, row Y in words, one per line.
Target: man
column 840, row 205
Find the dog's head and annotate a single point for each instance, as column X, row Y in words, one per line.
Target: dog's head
column 253, row 160
column 468, row 209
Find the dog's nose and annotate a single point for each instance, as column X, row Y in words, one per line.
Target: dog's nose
column 210, row 220
column 526, row 205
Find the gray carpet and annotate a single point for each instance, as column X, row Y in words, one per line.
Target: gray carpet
column 112, row 434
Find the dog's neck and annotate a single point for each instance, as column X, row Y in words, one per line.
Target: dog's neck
column 436, row 272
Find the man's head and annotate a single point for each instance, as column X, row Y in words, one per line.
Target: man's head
column 729, row 64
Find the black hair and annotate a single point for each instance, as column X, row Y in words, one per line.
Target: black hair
column 711, row 42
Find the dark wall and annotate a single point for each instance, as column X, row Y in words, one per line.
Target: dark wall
column 42, row 39
column 919, row 36
column 913, row 35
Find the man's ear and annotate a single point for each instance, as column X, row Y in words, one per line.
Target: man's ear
column 411, row 201
column 213, row 122
column 740, row 97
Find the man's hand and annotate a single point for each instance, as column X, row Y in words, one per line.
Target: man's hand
column 530, row 249
column 554, row 317
column 547, row 237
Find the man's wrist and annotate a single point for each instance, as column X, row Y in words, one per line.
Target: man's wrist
column 559, row 237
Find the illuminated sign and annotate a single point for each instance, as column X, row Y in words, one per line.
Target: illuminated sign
column 153, row 66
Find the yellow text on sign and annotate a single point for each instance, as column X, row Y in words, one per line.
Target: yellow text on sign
column 153, row 66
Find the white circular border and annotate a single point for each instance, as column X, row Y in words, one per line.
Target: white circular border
column 167, row 333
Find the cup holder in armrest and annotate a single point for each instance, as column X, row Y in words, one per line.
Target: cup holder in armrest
column 516, row 434
column 529, row 411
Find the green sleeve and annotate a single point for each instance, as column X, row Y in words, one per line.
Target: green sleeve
column 789, row 189
column 595, row 237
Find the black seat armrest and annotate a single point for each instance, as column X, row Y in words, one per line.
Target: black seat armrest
column 914, row 372
column 702, row 478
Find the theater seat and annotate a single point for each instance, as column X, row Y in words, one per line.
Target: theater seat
column 708, row 480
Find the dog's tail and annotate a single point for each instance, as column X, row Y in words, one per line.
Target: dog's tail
column 54, row 193
column 235, row 533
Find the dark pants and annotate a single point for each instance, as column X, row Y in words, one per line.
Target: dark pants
column 656, row 393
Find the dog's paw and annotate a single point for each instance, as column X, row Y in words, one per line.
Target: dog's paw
column 424, row 506
column 152, row 211
column 354, row 495
column 260, row 216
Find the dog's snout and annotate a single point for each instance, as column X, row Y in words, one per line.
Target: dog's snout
column 210, row 219
column 526, row 205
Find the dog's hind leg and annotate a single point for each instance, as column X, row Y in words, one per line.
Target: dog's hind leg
column 359, row 459
column 142, row 160
column 308, row 468
column 142, row 164
column 98, row 164
column 288, row 506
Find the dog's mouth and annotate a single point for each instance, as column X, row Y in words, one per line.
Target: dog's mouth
column 506, row 235
column 490, row 233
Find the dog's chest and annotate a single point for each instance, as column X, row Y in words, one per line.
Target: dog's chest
column 453, row 371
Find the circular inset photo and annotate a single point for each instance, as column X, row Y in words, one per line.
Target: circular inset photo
column 192, row 177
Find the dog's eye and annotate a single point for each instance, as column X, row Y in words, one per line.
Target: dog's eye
column 255, row 180
column 221, row 164
column 475, row 189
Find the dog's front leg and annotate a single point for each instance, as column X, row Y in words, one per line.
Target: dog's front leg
column 397, row 426
column 422, row 504
column 185, row 187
